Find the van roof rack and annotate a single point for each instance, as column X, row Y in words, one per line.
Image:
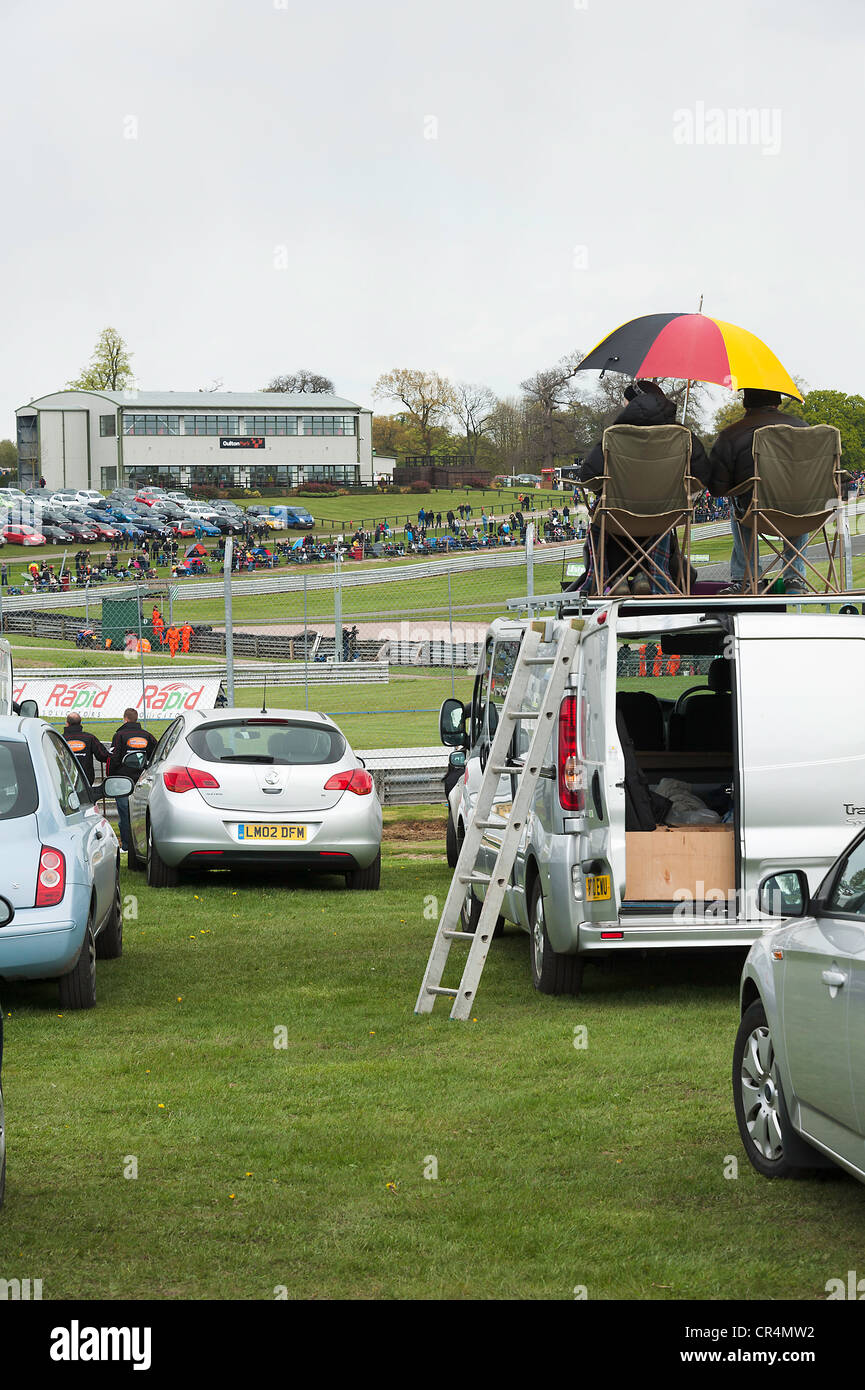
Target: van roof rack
column 576, row 604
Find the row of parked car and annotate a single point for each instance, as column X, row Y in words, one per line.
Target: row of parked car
column 128, row 516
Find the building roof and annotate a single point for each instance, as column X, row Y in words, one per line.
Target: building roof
column 215, row 400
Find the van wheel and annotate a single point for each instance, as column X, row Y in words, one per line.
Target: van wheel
column 769, row 1139
column 78, row 988
column 159, row 874
column 552, row 972
column 109, row 942
column 470, row 915
column 451, row 843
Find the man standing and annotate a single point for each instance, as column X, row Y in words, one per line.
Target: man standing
column 130, row 749
column 173, row 637
column 84, row 745
column 185, row 634
column 732, row 464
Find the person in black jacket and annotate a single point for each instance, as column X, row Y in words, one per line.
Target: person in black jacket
column 646, row 405
column 130, row 739
column 732, row 462
column 84, row 745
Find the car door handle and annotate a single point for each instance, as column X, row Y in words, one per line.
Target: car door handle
column 834, row 978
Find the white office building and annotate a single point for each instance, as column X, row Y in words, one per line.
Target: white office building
column 177, row 439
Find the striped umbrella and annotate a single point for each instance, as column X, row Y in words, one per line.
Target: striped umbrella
column 690, row 347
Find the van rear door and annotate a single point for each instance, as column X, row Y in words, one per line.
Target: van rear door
column 801, row 743
column 602, row 822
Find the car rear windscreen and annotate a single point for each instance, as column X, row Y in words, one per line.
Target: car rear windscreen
column 263, row 740
column 18, row 793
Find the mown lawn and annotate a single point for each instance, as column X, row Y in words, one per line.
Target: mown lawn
column 304, row 1165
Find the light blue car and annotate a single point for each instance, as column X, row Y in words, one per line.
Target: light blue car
column 60, row 904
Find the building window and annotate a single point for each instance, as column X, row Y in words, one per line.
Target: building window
column 109, row 479
column 151, row 424
column 328, row 424
column 270, row 424
column 107, row 426
column 211, row 424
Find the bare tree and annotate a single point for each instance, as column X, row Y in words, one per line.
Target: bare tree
column 548, row 390
column 302, row 382
column 474, row 406
column 428, row 398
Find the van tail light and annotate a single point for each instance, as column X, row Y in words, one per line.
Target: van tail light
column 572, row 790
column 183, row 779
column 356, row 780
column 51, row 879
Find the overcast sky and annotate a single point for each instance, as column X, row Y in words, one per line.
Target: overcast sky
column 243, row 187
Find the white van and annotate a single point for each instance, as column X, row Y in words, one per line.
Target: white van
column 701, row 745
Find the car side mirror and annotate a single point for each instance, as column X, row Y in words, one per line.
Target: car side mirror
column 116, row 786
column 457, row 759
column 7, row 912
column 28, row 709
column 785, row 895
column 452, row 723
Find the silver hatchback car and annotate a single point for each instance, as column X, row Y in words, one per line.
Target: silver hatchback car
column 230, row 787
column 799, row 1057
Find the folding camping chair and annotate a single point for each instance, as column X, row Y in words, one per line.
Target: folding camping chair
column 795, row 489
column 645, row 495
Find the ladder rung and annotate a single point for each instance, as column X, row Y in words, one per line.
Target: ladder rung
column 539, row 661
column 459, row 935
column 439, row 989
column 525, row 714
column 475, row 878
column 502, row 770
column 492, row 824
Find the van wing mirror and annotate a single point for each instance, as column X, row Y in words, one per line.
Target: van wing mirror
column 28, row 709
column 452, row 724
column 785, row 894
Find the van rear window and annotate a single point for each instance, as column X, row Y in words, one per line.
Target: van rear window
column 280, row 741
column 18, row 792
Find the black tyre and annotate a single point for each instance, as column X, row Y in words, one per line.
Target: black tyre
column 552, row 972
column 470, row 915
column 133, row 863
column 78, row 988
column 452, row 843
column 159, row 874
column 2, row 1151
column 367, row 879
column 109, row 942
column 769, row 1139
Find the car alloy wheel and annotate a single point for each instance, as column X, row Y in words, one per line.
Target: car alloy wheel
column 759, row 1093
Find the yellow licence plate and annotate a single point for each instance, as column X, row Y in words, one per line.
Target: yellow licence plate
column 597, row 887
column 271, row 832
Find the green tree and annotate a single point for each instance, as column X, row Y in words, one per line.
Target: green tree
column 8, row 457
column 847, row 413
column 428, row 398
column 109, row 369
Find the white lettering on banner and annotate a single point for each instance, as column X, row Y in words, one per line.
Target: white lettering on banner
column 107, row 699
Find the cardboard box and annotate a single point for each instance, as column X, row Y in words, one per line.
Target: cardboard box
column 700, row 859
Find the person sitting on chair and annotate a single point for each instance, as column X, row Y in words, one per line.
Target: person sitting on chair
column 646, row 405
column 732, row 462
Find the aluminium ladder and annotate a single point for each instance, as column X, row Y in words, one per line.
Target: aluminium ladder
column 559, row 663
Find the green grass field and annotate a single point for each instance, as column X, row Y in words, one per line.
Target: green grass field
column 255, row 1052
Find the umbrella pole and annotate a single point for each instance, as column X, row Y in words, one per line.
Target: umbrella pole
column 688, row 384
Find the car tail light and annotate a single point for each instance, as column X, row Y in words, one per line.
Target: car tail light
column 51, row 879
column 356, row 780
column 183, row 779
column 572, row 791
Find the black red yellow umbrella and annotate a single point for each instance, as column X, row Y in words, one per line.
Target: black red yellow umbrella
column 691, row 347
